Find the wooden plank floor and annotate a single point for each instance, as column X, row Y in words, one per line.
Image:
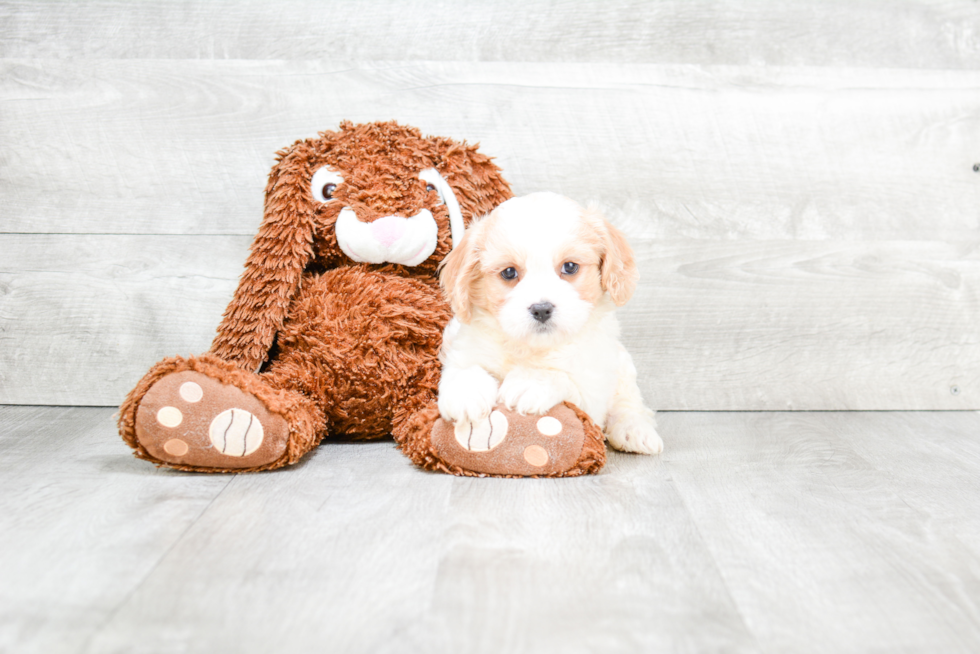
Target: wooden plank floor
column 755, row 532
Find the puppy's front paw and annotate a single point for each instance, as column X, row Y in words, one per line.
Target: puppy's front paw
column 635, row 433
column 530, row 394
column 467, row 395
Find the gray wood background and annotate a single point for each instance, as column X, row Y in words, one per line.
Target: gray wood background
column 797, row 178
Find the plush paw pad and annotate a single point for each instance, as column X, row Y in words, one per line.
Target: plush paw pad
column 236, row 432
column 481, row 435
column 508, row 443
column 189, row 419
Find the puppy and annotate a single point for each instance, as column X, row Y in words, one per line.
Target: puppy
column 534, row 287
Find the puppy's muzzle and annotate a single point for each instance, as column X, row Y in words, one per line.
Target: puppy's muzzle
column 542, row 311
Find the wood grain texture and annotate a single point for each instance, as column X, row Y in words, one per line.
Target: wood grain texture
column 713, row 326
column 822, row 550
column 754, row 532
column 612, row 563
column 82, row 524
column 339, row 553
column 807, row 325
column 83, row 318
column 184, row 147
column 798, row 178
column 865, row 33
column 935, row 456
column 359, row 549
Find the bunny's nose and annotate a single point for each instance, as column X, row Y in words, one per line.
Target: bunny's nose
column 389, row 229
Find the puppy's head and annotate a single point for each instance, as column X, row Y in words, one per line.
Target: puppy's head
column 539, row 264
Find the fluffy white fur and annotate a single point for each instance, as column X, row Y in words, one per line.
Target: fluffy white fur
column 496, row 351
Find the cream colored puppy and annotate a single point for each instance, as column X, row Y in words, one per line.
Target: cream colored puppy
column 534, row 287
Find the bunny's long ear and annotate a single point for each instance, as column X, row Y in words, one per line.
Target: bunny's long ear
column 280, row 252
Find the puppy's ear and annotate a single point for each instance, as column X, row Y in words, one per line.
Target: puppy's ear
column 459, row 272
column 619, row 274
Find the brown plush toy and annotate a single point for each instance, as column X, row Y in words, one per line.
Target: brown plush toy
column 336, row 324
column 562, row 443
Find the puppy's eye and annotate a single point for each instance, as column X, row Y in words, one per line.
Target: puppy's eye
column 510, row 274
column 569, row 268
column 324, row 183
column 429, row 188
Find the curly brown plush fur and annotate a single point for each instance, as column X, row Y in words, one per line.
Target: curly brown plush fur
column 344, row 348
column 380, row 163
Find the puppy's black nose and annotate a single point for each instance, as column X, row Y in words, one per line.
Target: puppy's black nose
column 541, row 311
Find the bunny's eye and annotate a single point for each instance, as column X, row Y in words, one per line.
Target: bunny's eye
column 434, row 182
column 324, row 184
